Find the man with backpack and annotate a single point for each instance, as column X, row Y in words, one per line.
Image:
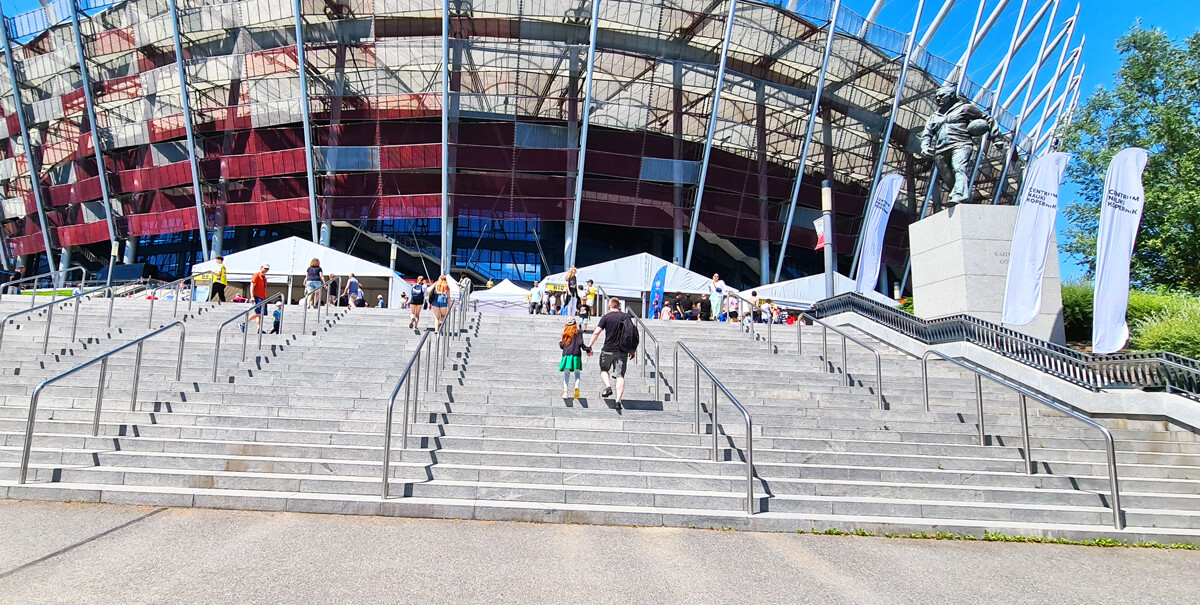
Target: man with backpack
column 620, row 344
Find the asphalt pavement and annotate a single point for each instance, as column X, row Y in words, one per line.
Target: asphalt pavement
column 87, row 553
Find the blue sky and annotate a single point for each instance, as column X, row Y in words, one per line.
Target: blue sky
column 1101, row 20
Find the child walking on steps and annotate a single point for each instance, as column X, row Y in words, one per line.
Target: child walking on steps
column 572, row 347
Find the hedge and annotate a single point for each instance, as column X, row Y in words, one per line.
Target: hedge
column 1158, row 321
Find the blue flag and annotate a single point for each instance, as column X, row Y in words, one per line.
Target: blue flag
column 656, row 292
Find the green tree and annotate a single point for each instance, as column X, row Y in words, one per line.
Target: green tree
column 1154, row 103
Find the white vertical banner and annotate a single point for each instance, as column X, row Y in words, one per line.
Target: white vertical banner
column 1031, row 239
column 873, row 229
column 819, row 227
column 1120, row 216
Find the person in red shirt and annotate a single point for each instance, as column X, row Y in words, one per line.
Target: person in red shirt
column 258, row 289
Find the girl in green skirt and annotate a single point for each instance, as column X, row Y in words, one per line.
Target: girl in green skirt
column 572, row 347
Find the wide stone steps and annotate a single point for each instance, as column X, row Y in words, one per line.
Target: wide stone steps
column 301, row 428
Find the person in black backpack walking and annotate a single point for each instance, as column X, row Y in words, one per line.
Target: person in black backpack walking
column 620, row 343
column 416, row 302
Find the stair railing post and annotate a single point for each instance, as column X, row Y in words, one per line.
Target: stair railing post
column 770, row 337
column 137, row 373
column 404, row 426
column 49, row 319
column 925, row 379
column 1025, row 436
column 75, row 320
column 245, row 335
column 715, row 427
column 979, row 406
column 845, row 368
column 99, row 397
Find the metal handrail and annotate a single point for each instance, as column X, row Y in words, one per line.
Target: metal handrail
column 82, row 277
column 103, row 360
column 319, row 298
column 413, row 362
column 1176, row 373
column 246, row 313
column 178, row 285
column 1024, row 392
column 715, row 423
column 825, row 328
column 645, row 356
column 78, row 298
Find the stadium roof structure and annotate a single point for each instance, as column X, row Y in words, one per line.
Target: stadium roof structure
column 204, row 116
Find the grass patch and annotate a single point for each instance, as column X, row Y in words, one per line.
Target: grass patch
column 999, row 537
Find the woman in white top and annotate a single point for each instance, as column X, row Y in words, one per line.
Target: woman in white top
column 716, row 292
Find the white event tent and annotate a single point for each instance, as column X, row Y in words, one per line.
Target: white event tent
column 505, row 291
column 632, row 276
column 504, row 297
column 289, row 259
column 805, row 291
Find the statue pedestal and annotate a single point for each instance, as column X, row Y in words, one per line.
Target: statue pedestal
column 960, row 264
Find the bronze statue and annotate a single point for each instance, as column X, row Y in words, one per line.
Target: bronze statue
column 949, row 137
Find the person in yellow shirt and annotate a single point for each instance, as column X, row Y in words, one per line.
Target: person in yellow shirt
column 219, row 280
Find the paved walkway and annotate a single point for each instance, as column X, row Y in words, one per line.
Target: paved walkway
column 56, row 552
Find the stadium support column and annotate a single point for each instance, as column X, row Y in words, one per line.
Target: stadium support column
column 677, row 148
column 937, row 23
column 573, row 239
column 808, row 135
column 201, row 226
column 712, row 130
column 302, row 70
column 447, row 221
column 64, row 263
column 1015, row 148
column 32, row 160
column 909, row 49
column 90, row 108
column 764, row 231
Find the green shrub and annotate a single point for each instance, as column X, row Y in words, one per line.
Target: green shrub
column 1174, row 329
column 906, row 305
column 1144, row 305
column 1077, row 310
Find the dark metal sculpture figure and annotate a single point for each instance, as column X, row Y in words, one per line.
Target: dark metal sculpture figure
column 949, row 138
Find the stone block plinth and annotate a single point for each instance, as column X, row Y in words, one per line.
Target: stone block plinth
column 960, row 263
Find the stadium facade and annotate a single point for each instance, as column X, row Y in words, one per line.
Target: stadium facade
column 431, row 132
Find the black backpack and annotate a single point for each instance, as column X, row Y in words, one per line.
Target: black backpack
column 627, row 337
column 418, row 294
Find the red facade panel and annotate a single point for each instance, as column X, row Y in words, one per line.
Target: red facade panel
column 79, row 235
column 158, row 223
column 267, row 213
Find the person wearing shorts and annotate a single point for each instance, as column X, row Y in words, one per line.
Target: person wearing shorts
column 258, row 289
column 417, row 301
column 612, row 359
column 313, row 279
column 440, row 301
column 353, row 291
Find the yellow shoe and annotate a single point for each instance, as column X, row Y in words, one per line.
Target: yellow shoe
column 577, row 392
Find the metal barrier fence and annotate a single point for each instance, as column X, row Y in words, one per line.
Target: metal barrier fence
column 1026, row 393
column 263, row 306
column 717, row 385
column 1168, row 371
column 103, row 361
column 50, row 306
column 9, row 286
column 178, row 285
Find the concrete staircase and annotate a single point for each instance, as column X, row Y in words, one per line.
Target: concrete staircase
column 301, row 428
